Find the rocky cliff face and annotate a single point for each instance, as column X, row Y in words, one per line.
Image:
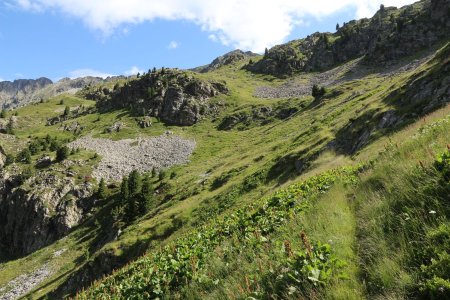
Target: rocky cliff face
column 386, row 37
column 176, row 97
column 39, row 211
column 21, row 90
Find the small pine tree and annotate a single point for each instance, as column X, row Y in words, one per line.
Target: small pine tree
column 153, row 172
column 10, row 127
column 66, row 111
column 124, row 190
column 337, row 27
column 134, row 183
column 101, row 192
column 266, row 52
column 315, row 91
column 62, row 153
column 131, row 209
column 146, row 196
column 61, row 102
column 3, row 113
column 162, row 175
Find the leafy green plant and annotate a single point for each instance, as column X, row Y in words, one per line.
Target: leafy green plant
column 442, row 164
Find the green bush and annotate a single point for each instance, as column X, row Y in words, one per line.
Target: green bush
column 24, row 156
column 62, row 153
column 442, row 164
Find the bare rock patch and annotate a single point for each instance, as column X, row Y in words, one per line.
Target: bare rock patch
column 119, row 158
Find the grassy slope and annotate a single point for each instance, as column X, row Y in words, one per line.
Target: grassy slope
column 217, row 152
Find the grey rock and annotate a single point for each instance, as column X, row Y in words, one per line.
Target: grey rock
column 119, row 158
column 40, row 211
column 44, row 161
column 144, row 122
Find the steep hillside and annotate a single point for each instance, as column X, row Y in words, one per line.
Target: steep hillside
column 389, row 35
column 232, row 184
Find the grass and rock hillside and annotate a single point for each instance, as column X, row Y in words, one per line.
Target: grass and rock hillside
column 237, row 183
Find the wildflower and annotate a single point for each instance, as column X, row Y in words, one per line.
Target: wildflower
column 432, row 212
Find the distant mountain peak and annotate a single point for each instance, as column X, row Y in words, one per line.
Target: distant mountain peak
column 226, row 59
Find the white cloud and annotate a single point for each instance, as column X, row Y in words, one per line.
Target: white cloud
column 133, row 71
column 246, row 24
column 88, row 72
column 173, row 45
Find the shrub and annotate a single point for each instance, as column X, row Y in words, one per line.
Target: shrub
column 318, row 92
column 24, row 156
column 62, row 153
column 442, row 164
column 9, row 159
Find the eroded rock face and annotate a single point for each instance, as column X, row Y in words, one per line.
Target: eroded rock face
column 173, row 96
column 40, row 211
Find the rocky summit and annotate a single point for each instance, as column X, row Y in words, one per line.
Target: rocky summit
column 319, row 169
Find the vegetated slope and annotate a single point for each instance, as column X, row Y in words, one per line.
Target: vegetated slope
column 286, row 149
column 396, row 208
column 389, row 35
column 234, row 171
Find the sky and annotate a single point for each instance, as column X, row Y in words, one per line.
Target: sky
column 75, row 38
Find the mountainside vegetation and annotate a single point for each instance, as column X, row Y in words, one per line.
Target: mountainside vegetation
column 316, row 171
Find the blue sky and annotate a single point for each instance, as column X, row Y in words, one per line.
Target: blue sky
column 59, row 38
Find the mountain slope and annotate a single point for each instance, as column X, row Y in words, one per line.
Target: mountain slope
column 386, row 37
column 285, row 195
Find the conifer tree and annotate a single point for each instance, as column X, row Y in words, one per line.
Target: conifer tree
column 146, row 195
column 134, row 183
column 124, row 190
column 101, row 192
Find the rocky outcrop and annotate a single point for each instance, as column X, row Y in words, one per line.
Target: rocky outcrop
column 389, row 35
column 144, row 122
column 39, row 211
column 224, row 60
column 173, row 96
